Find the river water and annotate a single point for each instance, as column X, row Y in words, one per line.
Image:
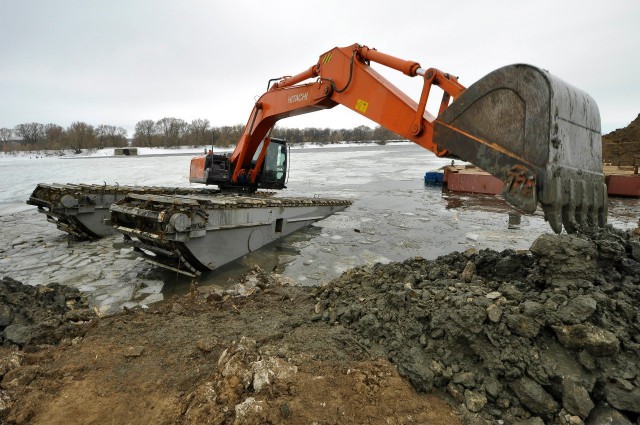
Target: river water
column 394, row 217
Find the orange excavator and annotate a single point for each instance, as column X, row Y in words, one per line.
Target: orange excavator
column 538, row 134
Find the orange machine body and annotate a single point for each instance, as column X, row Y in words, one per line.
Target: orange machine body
column 343, row 76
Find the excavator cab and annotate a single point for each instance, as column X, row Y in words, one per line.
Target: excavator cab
column 269, row 163
column 274, row 168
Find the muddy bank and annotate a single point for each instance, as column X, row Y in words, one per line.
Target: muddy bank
column 40, row 314
column 255, row 354
column 545, row 335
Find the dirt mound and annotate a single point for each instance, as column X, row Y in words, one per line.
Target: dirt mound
column 255, row 354
column 622, row 146
column 40, row 314
column 543, row 335
column 257, row 386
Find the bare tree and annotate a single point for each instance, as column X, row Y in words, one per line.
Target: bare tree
column 383, row 135
column 145, row 130
column 55, row 136
column 30, row 133
column 81, row 136
column 119, row 137
column 110, row 135
column 6, row 135
column 102, row 132
column 198, row 130
column 228, row 135
column 172, row 130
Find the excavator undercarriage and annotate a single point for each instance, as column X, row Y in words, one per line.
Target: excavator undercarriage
column 192, row 234
column 182, row 229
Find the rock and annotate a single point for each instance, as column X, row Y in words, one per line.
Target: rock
column 492, row 386
column 575, row 398
column 494, row 295
column 133, row 351
column 236, row 360
column 494, row 313
column 523, row 325
column 285, row 411
column 469, row 318
column 466, row 379
column 19, row 334
column 575, row 420
column 206, row 344
column 416, row 369
column 468, row 272
column 511, row 292
column 268, row 370
column 586, row 360
column 474, row 401
column 249, row 411
column 565, row 256
column 596, row 341
column 455, row 392
column 507, row 268
column 532, row 309
column 534, row 397
column 635, row 247
column 622, row 399
column 606, row 415
column 6, row 315
column 578, row 309
column 79, row 315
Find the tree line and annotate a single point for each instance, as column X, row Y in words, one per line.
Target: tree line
column 170, row 132
column 79, row 135
column 167, row 132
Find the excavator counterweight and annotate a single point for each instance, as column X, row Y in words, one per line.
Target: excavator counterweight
column 539, row 135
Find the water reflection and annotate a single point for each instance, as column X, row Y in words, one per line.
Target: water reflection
column 272, row 258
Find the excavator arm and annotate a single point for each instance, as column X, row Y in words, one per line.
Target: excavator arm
column 536, row 133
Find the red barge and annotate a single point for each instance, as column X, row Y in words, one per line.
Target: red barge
column 622, row 181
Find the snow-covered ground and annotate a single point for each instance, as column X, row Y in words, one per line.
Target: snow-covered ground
column 105, row 152
column 182, row 150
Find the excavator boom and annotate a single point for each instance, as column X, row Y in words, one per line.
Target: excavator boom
column 538, row 134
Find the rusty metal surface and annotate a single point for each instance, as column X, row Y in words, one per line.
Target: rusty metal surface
column 471, row 181
column 196, row 233
column 531, row 129
column 624, row 185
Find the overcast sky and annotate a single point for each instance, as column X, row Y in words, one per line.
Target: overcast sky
column 118, row 62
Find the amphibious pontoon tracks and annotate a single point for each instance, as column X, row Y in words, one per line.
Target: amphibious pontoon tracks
column 81, row 209
column 191, row 234
column 186, row 230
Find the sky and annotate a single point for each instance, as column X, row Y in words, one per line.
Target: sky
column 118, row 62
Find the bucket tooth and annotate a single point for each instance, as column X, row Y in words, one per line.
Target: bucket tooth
column 522, row 120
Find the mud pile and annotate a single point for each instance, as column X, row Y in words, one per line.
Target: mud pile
column 40, row 314
column 551, row 334
column 622, row 146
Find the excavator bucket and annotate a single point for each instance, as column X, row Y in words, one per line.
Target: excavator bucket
column 539, row 135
